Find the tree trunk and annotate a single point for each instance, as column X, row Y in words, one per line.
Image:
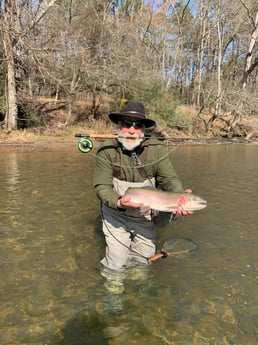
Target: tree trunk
column 12, row 110
column 249, row 67
column 11, row 96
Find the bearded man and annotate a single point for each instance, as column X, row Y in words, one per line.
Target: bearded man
column 134, row 159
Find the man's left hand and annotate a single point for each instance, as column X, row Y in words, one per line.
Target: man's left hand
column 180, row 211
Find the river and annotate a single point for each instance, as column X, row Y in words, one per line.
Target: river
column 51, row 244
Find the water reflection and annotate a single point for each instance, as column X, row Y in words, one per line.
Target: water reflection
column 51, row 244
column 12, row 170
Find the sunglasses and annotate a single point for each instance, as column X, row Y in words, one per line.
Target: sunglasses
column 135, row 124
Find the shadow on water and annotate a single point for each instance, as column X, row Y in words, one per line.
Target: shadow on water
column 80, row 241
column 83, row 329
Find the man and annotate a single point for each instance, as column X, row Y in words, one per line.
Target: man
column 131, row 160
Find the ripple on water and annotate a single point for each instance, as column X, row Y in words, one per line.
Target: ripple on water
column 51, row 244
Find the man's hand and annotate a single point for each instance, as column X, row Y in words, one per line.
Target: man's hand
column 180, row 210
column 125, row 202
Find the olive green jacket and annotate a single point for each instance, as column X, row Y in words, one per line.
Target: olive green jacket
column 156, row 164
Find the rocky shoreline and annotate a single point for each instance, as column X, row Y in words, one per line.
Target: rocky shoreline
column 37, row 145
column 71, row 144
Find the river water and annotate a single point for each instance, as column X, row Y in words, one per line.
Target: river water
column 51, row 244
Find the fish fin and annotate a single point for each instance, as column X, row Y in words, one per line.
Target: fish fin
column 171, row 208
column 145, row 210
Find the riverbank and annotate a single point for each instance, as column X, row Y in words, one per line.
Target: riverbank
column 40, row 139
column 65, row 139
column 38, row 144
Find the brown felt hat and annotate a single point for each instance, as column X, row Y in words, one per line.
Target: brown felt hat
column 132, row 110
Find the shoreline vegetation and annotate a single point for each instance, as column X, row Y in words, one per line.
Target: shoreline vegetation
column 56, row 135
column 189, row 127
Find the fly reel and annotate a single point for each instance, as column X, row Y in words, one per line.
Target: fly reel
column 85, row 144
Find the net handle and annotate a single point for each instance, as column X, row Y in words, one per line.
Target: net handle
column 164, row 254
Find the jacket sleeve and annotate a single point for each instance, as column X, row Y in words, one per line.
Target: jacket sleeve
column 103, row 177
column 166, row 176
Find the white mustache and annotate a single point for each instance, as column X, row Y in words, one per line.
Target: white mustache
column 130, row 141
column 129, row 136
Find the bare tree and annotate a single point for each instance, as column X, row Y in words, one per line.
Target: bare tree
column 15, row 25
column 8, row 22
column 251, row 63
column 90, row 49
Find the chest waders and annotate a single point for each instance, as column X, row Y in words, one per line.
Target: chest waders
column 129, row 235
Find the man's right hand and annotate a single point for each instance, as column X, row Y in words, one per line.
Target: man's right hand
column 125, row 202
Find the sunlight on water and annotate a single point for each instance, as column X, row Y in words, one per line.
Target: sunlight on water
column 51, row 244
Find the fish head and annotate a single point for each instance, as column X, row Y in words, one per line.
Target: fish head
column 192, row 202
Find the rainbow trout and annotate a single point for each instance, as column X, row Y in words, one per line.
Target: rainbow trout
column 159, row 200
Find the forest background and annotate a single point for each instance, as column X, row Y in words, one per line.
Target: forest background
column 68, row 63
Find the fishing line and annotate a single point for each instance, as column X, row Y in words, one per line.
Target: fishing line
column 85, row 145
column 129, row 166
column 123, row 244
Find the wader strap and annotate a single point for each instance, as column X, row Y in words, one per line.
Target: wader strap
column 139, row 165
column 138, row 161
column 117, row 164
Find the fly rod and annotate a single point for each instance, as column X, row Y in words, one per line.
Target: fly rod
column 85, row 144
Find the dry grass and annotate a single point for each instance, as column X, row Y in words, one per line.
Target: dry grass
column 62, row 134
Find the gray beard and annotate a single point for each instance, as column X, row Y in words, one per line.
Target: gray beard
column 129, row 144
